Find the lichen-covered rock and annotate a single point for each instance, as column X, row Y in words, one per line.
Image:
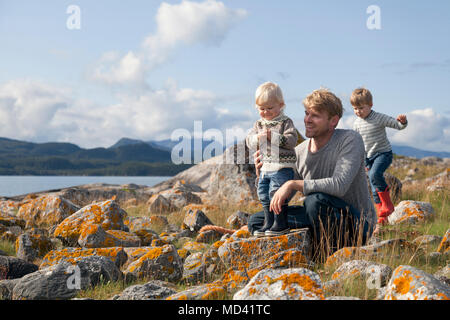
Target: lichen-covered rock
column 238, row 220
column 443, row 274
column 73, row 255
column 411, row 212
column 378, row 273
column 445, row 243
column 46, row 211
column 64, row 280
column 152, row 290
column 208, row 236
column 194, row 220
column 8, row 207
column 210, row 291
column 160, row 263
column 8, row 220
column 409, row 283
column 193, row 246
column 93, row 236
column 282, row 284
column 370, row 252
column 194, row 268
column 108, row 214
column 12, row 267
column 31, row 245
column 250, row 253
column 427, row 240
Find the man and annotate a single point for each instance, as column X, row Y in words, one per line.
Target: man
column 330, row 173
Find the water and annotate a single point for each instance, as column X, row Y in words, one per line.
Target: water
column 19, row 185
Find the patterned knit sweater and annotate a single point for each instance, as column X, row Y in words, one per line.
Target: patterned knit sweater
column 372, row 130
column 284, row 137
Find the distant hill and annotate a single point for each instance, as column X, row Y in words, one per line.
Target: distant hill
column 418, row 153
column 126, row 157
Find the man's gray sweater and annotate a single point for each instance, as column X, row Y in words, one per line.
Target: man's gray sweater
column 337, row 169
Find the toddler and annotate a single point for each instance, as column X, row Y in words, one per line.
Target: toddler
column 276, row 137
column 371, row 125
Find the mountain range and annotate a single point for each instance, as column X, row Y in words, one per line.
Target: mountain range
column 125, row 157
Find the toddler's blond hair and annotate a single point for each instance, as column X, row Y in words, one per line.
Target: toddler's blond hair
column 361, row 97
column 324, row 100
column 269, row 92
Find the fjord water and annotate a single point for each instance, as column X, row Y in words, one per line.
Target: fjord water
column 18, row 185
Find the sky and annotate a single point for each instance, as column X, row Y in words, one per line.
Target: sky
column 92, row 72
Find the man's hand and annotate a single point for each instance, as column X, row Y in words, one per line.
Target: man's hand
column 402, row 118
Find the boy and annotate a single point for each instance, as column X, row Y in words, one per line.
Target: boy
column 371, row 125
column 276, row 137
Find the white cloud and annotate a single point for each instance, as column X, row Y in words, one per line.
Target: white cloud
column 184, row 24
column 38, row 112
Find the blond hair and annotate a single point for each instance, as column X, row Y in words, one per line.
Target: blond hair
column 269, row 92
column 361, row 97
column 324, row 100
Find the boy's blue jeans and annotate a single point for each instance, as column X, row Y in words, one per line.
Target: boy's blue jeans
column 270, row 182
column 377, row 165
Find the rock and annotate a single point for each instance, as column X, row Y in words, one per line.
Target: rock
column 12, row 267
column 194, row 268
column 427, row 240
column 194, row 220
column 282, row 284
column 8, row 208
column 193, row 246
column 370, row 252
column 409, row 283
column 172, row 200
column 225, row 177
column 445, row 243
column 250, row 253
column 45, row 211
column 210, row 291
column 93, row 236
column 378, row 273
column 6, row 288
column 98, row 192
column 7, row 220
column 108, row 214
column 153, row 290
column 411, row 212
column 208, row 236
column 443, row 274
column 32, row 245
column 64, row 280
column 73, row 255
column 160, row 263
column 238, row 220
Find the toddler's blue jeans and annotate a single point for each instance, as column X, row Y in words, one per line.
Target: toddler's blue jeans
column 270, row 181
column 377, row 165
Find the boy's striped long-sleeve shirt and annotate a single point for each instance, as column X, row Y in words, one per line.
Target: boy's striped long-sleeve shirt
column 373, row 131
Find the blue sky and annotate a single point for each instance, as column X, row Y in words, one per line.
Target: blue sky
column 142, row 69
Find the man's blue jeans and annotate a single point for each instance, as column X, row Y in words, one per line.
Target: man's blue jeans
column 377, row 165
column 329, row 219
column 270, row 182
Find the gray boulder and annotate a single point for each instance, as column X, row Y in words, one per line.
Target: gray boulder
column 12, row 267
column 153, row 290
